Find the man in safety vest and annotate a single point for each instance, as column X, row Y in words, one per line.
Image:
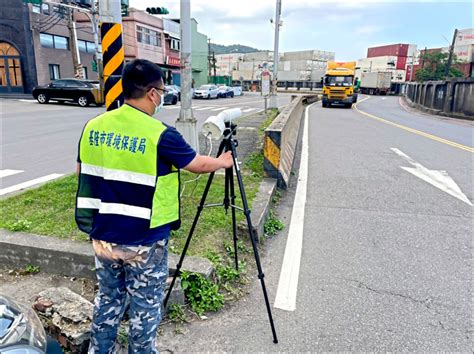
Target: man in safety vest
column 128, row 203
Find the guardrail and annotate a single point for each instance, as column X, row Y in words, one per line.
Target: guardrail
column 281, row 140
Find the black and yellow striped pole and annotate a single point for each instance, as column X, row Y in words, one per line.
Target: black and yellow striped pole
column 113, row 53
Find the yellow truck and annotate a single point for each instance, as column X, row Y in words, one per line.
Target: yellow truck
column 338, row 84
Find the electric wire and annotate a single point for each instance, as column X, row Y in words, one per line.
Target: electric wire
column 209, row 140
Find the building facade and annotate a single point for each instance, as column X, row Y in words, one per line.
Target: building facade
column 35, row 46
column 172, row 63
column 199, row 55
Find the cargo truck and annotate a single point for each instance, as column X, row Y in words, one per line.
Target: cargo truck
column 375, row 83
column 338, row 84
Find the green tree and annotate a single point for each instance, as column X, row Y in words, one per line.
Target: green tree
column 434, row 67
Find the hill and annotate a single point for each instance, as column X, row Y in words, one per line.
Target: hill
column 233, row 48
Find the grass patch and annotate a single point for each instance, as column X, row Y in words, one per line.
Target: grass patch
column 47, row 210
column 271, row 115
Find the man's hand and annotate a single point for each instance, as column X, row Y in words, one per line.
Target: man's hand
column 226, row 159
column 206, row 164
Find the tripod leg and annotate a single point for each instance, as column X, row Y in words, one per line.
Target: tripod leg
column 234, row 222
column 254, row 241
column 191, row 231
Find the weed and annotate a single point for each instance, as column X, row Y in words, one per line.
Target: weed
column 276, row 198
column 273, row 225
column 177, row 314
column 122, row 337
column 19, row 225
column 31, row 269
column 202, row 294
column 254, row 163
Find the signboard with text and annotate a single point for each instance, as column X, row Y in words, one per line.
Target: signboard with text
column 266, row 83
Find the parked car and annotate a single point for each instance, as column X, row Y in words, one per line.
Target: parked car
column 207, row 91
column 237, row 90
column 21, row 330
column 84, row 92
column 225, row 91
column 174, row 88
column 171, row 96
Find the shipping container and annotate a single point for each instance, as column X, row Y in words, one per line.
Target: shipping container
column 401, row 63
column 375, row 83
column 392, row 49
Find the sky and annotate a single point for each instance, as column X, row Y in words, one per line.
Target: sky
column 346, row 28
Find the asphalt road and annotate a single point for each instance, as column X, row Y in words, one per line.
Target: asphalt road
column 386, row 262
column 40, row 141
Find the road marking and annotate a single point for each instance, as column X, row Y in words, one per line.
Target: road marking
column 203, row 108
column 28, row 101
column 219, row 108
column 31, row 183
column 414, row 131
column 172, row 107
column 439, row 179
column 248, row 110
column 6, row 173
column 288, row 284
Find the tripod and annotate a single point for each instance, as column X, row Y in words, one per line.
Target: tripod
column 229, row 144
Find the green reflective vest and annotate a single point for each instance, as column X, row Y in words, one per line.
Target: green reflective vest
column 120, row 190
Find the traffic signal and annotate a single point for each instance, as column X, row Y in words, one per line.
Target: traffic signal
column 124, row 7
column 157, row 10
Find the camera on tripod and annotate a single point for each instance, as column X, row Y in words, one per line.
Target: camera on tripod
column 215, row 126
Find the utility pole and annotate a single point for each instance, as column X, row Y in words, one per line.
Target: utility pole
column 110, row 15
column 98, row 47
column 451, row 52
column 186, row 123
column 273, row 95
column 76, row 58
column 214, row 65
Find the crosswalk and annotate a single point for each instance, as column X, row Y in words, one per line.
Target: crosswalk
column 214, row 108
column 23, row 185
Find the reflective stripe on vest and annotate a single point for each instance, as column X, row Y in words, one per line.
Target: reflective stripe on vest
column 119, row 156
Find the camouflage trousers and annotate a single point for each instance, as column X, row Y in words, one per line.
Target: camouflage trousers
column 136, row 272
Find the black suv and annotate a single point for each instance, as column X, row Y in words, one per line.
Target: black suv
column 84, row 92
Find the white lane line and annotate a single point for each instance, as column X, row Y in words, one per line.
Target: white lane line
column 439, row 179
column 219, row 108
column 288, row 284
column 172, row 107
column 29, row 101
column 31, row 183
column 248, row 110
column 6, row 173
column 203, row 108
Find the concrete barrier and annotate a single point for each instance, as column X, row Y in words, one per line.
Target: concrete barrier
column 453, row 98
column 281, row 139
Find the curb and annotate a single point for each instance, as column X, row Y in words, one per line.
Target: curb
column 70, row 258
column 261, row 206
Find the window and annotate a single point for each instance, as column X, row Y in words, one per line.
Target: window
column 85, row 73
column 36, row 9
column 54, row 72
column 46, row 40
column 45, row 9
column 61, row 42
column 175, row 44
column 86, row 47
column 59, row 83
column 82, row 45
column 52, row 41
column 148, row 36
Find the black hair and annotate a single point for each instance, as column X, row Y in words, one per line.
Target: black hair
column 139, row 76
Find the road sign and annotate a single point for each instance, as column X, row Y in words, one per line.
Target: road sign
column 265, row 83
